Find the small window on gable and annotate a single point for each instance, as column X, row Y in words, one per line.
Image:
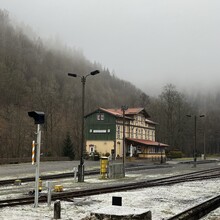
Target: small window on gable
column 100, row 117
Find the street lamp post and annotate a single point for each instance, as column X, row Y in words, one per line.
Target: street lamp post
column 124, row 108
column 81, row 165
column 195, row 138
column 204, row 145
column 161, row 153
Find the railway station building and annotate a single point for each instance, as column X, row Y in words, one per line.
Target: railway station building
column 104, row 134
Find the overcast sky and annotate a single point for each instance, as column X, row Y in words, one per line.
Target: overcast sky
column 147, row 42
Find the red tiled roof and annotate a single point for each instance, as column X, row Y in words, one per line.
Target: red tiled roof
column 119, row 112
column 133, row 111
column 151, row 122
column 129, row 112
column 116, row 112
column 147, row 142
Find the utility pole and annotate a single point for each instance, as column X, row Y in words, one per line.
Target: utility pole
column 124, row 108
column 195, row 139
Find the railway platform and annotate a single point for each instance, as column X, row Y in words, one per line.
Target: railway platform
column 8, row 171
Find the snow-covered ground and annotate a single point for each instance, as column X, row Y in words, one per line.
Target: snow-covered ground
column 163, row 202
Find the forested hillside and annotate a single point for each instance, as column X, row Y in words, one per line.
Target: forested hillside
column 34, row 77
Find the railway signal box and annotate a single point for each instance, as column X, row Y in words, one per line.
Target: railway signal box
column 37, row 116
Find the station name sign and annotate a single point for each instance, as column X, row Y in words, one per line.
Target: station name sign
column 100, row 131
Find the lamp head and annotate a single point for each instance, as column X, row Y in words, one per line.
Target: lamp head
column 94, row 72
column 72, row 74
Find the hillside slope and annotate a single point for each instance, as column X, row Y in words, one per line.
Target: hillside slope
column 34, row 77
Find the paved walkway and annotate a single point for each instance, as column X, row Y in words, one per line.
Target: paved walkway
column 52, row 167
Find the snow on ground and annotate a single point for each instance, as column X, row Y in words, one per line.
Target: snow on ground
column 163, row 202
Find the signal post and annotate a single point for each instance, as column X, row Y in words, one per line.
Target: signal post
column 39, row 119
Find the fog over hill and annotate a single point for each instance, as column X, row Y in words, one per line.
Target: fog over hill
column 34, row 77
column 149, row 43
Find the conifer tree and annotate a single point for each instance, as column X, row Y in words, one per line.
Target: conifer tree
column 68, row 150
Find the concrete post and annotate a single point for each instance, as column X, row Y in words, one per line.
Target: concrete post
column 49, row 186
column 75, row 173
column 57, row 209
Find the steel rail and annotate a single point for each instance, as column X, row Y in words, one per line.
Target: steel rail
column 45, row 177
column 199, row 210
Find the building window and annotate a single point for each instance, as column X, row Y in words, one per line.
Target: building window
column 91, row 148
column 151, row 150
column 150, row 137
column 157, row 150
column 100, row 117
column 153, row 136
column 141, row 133
column 135, row 120
column 118, row 132
column 139, row 150
column 132, row 132
column 136, row 133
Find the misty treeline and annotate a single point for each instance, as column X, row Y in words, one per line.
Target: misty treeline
column 33, row 77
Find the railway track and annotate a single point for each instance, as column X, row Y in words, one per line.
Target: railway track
column 71, row 174
column 92, row 172
column 46, row 177
column 195, row 176
column 199, row 210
